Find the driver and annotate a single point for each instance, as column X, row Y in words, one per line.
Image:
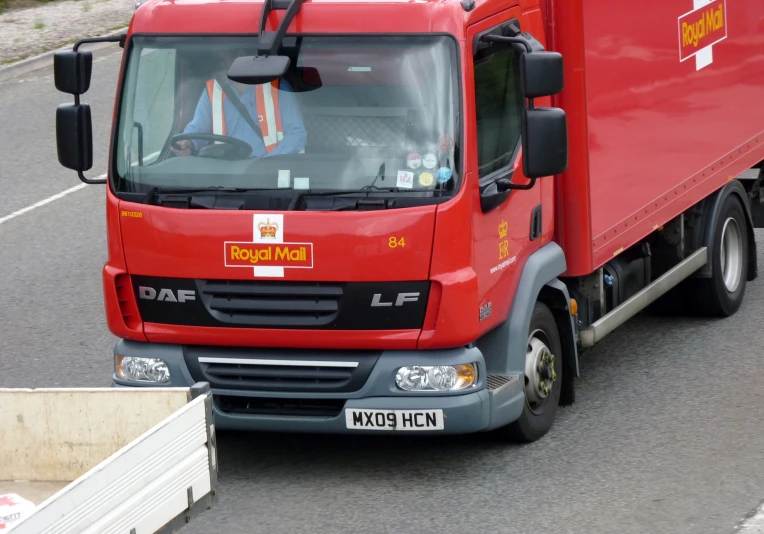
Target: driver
column 272, row 106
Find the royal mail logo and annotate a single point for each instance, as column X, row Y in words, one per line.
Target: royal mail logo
column 267, row 254
column 503, row 229
column 284, row 255
column 268, row 229
column 701, row 29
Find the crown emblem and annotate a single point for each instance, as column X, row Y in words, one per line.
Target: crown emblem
column 503, row 229
column 268, row 229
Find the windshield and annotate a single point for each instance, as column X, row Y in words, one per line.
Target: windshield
column 352, row 114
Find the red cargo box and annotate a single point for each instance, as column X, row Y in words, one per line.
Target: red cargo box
column 665, row 104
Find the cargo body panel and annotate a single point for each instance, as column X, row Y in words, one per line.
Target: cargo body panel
column 666, row 122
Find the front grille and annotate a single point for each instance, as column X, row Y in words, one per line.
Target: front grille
column 265, row 304
column 259, row 377
column 281, row 370
column 289, row 407
column 281, row 304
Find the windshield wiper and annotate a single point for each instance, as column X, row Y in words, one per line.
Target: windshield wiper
column 212, row 190
column 343, row 193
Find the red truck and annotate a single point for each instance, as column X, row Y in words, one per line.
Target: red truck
column 363, row 216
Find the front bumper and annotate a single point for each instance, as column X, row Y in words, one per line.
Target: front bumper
column 494, row 401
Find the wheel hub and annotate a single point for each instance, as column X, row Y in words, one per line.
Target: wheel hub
column 731, row 254
column 539, row 371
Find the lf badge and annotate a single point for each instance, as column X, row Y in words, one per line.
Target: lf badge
column 268, row 254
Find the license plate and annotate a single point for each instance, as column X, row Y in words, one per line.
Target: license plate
column 394, row 419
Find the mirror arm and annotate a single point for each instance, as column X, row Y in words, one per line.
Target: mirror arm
column 89, row 181
column 268, row 43
column 108, row 39
column 504, row 39
column 505, row 184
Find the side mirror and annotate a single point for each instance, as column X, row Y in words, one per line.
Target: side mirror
column 72, row 70
column 545, row 142
column 541, row 74
column 255, row 70
column 74, row 136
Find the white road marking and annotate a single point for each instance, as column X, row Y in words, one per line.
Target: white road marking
column 41, row 203
column 754, row 524
column 62, row 194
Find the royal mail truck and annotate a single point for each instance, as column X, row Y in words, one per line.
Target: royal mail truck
column 361, row 216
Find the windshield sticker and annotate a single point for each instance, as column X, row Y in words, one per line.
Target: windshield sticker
column 284, row 178
column 444, row 175
column 302, row 183
column 425, row 179
column 446, row 144
column 429, row 161
column 268, row 254
column 414, row 161
column 405, row 180
column 700, row 29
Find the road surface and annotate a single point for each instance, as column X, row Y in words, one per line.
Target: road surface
column 667, row 435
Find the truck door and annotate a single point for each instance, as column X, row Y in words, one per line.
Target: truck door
column 508, row 225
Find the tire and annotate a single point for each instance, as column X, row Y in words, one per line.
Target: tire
column 539, row 410
column 722, row 294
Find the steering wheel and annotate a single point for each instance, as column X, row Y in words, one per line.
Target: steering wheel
column 231, row 148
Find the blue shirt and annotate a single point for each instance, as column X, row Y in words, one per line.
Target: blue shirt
column 295, row 135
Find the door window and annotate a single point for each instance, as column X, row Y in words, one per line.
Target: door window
column 499, row 105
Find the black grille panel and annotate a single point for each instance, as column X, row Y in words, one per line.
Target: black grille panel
column 263, row 304
column 281, row 370
column 289, row 407
column 278, row 304
column 259, row 377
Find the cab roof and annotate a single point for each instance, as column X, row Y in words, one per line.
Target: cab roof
column 224, row 17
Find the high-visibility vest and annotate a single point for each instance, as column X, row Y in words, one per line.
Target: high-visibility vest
column 269, row 117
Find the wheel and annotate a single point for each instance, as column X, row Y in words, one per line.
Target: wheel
column 543, row 379
column 722, row 294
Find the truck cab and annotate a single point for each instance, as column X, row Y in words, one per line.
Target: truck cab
column 343, row 278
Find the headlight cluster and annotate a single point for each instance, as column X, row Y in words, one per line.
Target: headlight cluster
column 436, row 377
column 142, row 369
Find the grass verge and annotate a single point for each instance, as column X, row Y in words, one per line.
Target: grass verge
column 56, row 47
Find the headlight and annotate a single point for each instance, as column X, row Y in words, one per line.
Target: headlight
column 142, row 369
column 436, row 377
